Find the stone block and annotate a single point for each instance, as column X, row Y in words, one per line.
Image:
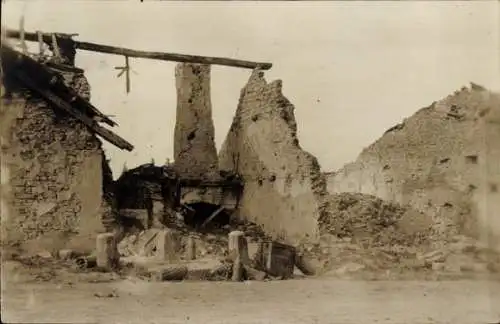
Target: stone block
column 167, row 245
column 107, row 256
column 170, row 273
column 253, row 250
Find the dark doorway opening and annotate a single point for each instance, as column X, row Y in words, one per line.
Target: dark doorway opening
column 200, row 212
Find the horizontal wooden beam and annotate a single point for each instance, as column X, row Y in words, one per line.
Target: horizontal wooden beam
column 172, row 56
column 208, row 183
column 184, row 58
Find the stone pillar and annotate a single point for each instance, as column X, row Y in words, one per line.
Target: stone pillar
column 238, row 246
column 194, row 146
column 107, row 255
column 166, row 245
column 238, row 251
column 190, row 248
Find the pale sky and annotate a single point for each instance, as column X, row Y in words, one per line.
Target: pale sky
column 352, row 69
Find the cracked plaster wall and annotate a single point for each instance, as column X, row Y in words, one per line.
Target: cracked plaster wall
column 284, row 188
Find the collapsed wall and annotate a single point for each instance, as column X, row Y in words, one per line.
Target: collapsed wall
column 51, row 169
column 194, row 144
column 283, row 187
column 443, row 160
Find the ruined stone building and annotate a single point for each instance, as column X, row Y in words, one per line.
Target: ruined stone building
column 52, row 162
column 282, row 188
column 443, row 160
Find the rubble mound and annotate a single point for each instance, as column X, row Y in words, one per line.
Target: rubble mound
column 373, row 222
column 443, row 161
column 209, row 244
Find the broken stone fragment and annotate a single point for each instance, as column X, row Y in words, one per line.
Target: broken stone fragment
column 170, row 273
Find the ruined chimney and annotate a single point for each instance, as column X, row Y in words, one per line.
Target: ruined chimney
column 194, row 146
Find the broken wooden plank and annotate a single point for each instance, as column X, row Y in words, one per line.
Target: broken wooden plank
column 63, row 105
column 209, row 183
column 63, row 67
column 33, row 37
column 13, row 60
column 107, row 49
column 212, row 216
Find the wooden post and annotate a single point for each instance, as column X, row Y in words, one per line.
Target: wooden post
column 107, row 255
column 127, row 75
column 40, row 43
column 22, row 35
column 55, row 47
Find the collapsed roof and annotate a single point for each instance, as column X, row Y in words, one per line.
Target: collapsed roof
column 42, row 78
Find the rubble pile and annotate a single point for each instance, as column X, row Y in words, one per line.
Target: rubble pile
column 365, row 234
column 213, row 243
column 442, row 160
column 373, row 222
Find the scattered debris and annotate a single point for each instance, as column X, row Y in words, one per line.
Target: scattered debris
column 202, row 232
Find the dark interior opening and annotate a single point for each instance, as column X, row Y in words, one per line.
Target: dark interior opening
column 202, row 211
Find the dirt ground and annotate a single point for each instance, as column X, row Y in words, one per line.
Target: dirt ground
column 316, row 300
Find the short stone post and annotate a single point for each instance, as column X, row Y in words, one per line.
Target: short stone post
column 166, row 245
column 238, row 251
column 107, row 255
column 190, row 248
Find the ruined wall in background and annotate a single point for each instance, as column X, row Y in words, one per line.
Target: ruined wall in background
column 194, row 144
column 284, row 188
column 51, row 171
column 444, row 160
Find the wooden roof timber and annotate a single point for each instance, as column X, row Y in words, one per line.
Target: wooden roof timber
column 39, row 79
column 14, row 59
column 47, row 37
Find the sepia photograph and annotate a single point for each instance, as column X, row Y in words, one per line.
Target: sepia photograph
column 250, row 162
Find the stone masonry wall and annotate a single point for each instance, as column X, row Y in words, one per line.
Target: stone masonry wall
column 444, row 160
column 194, row 145
column 284, row 188
column 51, row 171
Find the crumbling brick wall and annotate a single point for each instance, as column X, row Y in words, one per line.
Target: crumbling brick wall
column 284, row 188
column 444, row 160
column 194, row 145
column 51, row 169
